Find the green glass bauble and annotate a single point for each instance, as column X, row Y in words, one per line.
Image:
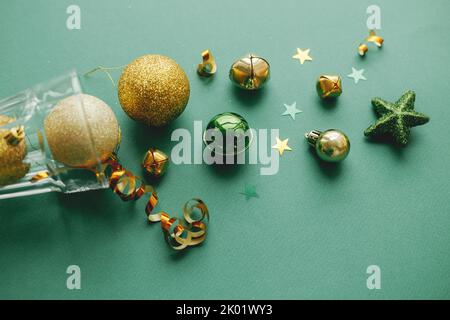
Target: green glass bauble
column 234, row 131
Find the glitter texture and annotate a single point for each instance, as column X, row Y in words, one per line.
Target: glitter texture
column 11, row 166
column 396, row 119
column 153, row 89
column 69, row 130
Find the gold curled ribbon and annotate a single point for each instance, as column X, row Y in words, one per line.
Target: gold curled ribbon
column 363, row 48
column 124, row 183
column 15, row 135
column 178, row 235
column 39, row 176
column 208, row 67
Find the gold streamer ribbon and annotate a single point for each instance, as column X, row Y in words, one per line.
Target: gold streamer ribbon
column 208, row 67
column 178, row 235
column 39, row 176
column 362, row 48
column 15, row 135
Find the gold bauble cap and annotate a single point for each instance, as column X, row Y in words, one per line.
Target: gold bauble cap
column 81, row 130
column 153, row 89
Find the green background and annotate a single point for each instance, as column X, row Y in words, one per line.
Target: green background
column 315, row 228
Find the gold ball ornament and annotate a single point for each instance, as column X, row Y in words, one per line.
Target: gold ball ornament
column 11, row 155
column 79, row 137
column 331, row 145
column 153, row 89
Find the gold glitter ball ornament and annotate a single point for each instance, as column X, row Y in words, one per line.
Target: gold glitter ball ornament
column 250, row 72
column 153, row 89
column 329, row 86
column 80, row 135
column 11, row 155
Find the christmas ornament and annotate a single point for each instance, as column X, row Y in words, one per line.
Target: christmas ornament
column 357, row 75
column 81, row 130
column 396, row 119
column 208, row 67
column 15, row 136
column 362, row 48
column 281, row 146
column 178, row 235
column 155, row 162
column 302, row 55
column 331, row 145
column 329, row 86
column 13, row 150
column 153, row 89
column 250, row 72
column 249, row 191
column 233, row 129
column 291, row 110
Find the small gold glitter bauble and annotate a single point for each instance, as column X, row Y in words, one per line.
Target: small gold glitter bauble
column 79, row 135
column 11, row 155
column 153, row 89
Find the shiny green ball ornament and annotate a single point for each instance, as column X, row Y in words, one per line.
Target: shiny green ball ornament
column 234, row 131
column 331, row 145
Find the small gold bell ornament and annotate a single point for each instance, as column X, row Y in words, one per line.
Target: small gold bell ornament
column 155, row 162
column 250, row 72
column 329, row 86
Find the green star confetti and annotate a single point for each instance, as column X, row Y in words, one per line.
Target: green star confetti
column 291, row 110
column 249, row 192
column 396, row 119
column 357, row 75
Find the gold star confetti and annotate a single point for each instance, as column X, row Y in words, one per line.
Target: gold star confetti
column 282, row 146
column 302, row 55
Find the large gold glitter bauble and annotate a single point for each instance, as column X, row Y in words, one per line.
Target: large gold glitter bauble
column 11, row 155
column 153, row 89
column 78, row 136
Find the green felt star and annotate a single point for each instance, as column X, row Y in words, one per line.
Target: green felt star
column 249, row 192
column 396, row 119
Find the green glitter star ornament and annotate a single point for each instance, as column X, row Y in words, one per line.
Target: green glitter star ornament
column 396, row 119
